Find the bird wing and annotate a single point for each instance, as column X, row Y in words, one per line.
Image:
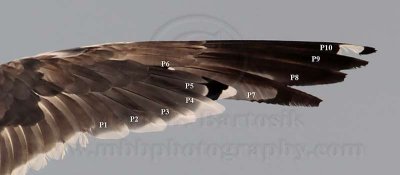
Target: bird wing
column 53, row 100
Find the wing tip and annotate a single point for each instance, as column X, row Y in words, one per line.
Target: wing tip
column 368, row 50
column 300, row 99
column 309, row 102
column 313, row 103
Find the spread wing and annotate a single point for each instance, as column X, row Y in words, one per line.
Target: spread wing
column 55, row 99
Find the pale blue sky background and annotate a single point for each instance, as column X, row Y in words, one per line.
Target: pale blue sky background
column 354, row 131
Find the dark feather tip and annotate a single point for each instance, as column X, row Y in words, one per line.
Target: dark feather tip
column 368, row 50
